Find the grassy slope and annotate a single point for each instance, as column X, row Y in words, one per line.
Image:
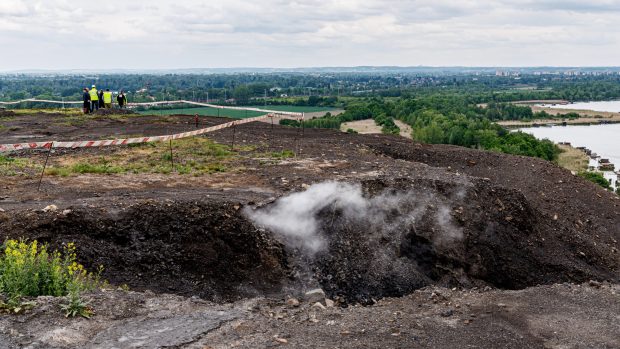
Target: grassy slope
column 572, row 159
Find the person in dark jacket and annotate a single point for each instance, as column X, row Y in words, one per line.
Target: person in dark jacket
column 101, row 99
column 86, row 98
column 121, row 99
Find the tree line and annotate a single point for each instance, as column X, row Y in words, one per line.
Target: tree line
column 440, row 120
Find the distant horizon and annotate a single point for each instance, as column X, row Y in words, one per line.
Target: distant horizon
column 334, row 68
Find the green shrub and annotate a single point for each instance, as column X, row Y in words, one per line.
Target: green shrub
column 27, row 269
column 596, row 178
column 5, row 159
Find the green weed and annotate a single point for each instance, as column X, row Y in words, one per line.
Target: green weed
column 28, row 269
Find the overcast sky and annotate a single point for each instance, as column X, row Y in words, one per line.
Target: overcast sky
column 152, row 34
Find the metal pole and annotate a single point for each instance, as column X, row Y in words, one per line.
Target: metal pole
column 171, row 155
column 45, row 166
column 232, row 147
column 302, row 135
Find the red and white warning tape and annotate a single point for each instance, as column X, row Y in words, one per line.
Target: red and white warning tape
column 125, row 141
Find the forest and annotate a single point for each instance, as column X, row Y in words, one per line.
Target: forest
column 458, row 108
column 248, row 88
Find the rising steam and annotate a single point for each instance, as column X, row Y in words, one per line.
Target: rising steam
column 297, row 218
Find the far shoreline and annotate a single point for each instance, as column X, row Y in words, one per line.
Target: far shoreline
column 591, row 117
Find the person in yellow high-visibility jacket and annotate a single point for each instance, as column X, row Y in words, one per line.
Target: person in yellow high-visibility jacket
column 107, row 99
column 94, row 99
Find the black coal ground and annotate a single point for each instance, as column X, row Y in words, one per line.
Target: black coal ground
column 212, row 250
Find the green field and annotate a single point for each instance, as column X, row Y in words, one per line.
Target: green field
column 293, row 108
column 237, row 114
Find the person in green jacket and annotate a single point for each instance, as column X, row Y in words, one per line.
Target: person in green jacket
column 94, row 99
column 107, row 99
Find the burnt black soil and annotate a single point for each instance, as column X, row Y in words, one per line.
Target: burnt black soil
column 6, row 113
column 523, row 221
column 190, row 248
column 504, row 244
column 102, row 124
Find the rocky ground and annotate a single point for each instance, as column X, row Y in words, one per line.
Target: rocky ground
column 555, row 316
column 456, row 247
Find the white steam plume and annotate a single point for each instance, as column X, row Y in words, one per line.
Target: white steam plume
column 294, row 218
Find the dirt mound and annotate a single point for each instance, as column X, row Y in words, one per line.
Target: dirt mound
column 511, row 222
column 6, row 113
column 412, row 233
column 188, row 248
column 451, row 235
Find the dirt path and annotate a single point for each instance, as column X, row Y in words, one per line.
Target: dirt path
column 405, row 130
column 370, row 127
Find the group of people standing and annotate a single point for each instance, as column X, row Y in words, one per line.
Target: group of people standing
column 95, row 99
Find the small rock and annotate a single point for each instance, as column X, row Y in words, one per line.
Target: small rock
column 51, row 208
column 280, row 340
column 318, row 305
column 66, row 212
column 315, row 295
column 1, row 209
column 594, row 284
column 329, row 303
column 292, row 302
column 447, row 313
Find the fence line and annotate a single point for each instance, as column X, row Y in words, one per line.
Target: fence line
column 164, row 103
column 124, row 141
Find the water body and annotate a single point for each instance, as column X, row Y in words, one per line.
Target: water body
column 603, row 140
column 607, row 106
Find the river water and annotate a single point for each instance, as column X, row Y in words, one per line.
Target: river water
column 603, row 140
column 608, row 106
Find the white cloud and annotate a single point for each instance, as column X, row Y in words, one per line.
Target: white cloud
column 13, row 8
column 192, row 33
